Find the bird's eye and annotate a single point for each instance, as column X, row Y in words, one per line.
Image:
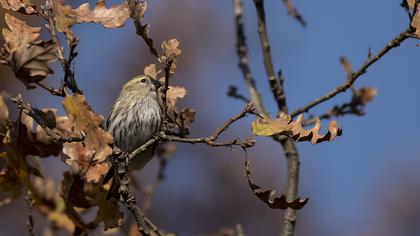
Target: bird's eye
column 143, row 80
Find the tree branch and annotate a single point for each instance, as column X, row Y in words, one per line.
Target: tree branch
column 37, row 116
column 395, row 42
column 242, row 52
column 275, row 86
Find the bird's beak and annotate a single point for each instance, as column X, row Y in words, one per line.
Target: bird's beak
column 157, row 83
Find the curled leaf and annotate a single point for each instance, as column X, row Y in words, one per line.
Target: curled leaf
column 268, row 196
column 20, row 34
column 30, row 63
column 172, row 96
column 21, row 6
column 285, row 126
column 87, row 158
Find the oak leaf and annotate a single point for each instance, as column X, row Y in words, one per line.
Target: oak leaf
column 21, row 6
column 268, row 196
column 173, row 94
column 30, row 63
column 65, row 17
column 154, row 72
column 88, row 157
column 284, row 125
column 113, row 17
column 170, row 48
column 20, row 34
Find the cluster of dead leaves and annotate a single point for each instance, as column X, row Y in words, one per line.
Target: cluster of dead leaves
column 81, row 189
column 180, row 119
column 283, row 125
column 88, row 158
column 27, row 56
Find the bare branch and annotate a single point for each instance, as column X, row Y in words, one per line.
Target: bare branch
column 395, row 42
column 276, row 89
column 233, row 92
column 242, row 51
column 30, row 205
column 36, row 115
column 69, row 80
column 121, row 162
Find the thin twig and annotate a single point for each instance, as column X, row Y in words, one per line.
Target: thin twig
column 242, row 51
column 54, row 91
column 275, row 87
column 36, row 115
column 145, row 226
column 136, row 13
column 249, row 109
column 395, row 42
column 293, row 12
column 69, row 80
column 29, row 204
column 233, row 93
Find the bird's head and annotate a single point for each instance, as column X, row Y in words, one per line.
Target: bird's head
column 142, row 84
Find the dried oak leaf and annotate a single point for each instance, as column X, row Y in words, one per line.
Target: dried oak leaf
column 65, row 16
column 21, row 6
column 170, row 48
column 285, row 126
column 172, row 96
column 183, row 120
column 30, row 63
column 88, row 157
column 20, row 34
column 113, row 17
column 268, row 196
column 153, row 72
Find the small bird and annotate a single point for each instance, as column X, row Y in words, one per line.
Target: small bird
column 134, row 118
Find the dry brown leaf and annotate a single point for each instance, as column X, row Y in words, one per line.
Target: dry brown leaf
column 112, row 17
column 95, row 148
column 285, row 126
column 63, row 18
column 30, row 63
column 173, row 94
column 22, row 6
column 183, row 120
column 20, row 34
column 153, row 72
column 268, row 196
column 170, row 48
column 109, row 17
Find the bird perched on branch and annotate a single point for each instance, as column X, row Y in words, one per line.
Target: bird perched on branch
column 135, row 117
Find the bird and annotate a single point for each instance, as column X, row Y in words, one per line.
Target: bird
column 136, row 116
